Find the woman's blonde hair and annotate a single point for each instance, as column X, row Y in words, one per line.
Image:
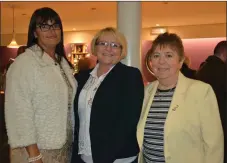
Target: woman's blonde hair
column 118, row 35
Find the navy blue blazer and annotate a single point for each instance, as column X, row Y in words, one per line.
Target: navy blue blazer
column 115, row 113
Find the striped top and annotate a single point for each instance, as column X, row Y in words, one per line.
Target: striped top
column 153, row 144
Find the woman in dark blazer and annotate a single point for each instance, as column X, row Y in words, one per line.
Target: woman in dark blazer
column 107, row 104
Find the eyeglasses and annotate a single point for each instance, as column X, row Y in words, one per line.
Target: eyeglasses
column 106, row 44
column 46, row 27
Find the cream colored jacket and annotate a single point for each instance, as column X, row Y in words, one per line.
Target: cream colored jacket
column 36, row 100
column 192, row 131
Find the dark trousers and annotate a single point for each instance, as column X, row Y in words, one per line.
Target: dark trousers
column 135, row 161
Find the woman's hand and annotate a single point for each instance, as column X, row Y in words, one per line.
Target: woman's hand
column 33, row 152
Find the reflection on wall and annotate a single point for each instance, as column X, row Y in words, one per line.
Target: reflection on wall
column 196, row 49
column 147, row 76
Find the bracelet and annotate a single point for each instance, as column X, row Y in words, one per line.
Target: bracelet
column 33, row 159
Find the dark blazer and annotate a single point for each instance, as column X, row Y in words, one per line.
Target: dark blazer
column 115, row 113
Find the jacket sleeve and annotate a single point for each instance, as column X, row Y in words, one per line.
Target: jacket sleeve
column 211, row 128
column 19, row 112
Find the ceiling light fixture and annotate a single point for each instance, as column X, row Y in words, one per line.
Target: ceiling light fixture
column 158, row 30
column 13, row 43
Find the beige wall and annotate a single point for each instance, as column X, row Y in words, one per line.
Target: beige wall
column 197, row 31
column 193, row 31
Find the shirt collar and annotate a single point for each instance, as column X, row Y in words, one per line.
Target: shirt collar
column 93, row 73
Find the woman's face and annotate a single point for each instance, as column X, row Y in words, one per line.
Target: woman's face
column 48, row 34
column 165, row 62
column 108, row 49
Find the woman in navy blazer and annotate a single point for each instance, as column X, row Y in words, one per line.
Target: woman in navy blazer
column 107, row 104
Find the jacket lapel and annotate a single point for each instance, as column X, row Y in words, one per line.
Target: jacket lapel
column 69, row 73
column 148, row 99
column 45, row 60
column 110, row 77
column 177, row 102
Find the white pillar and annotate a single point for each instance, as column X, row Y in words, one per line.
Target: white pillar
column 130, row 24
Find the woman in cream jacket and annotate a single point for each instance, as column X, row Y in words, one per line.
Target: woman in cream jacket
column 40, row 89
column 180, row 121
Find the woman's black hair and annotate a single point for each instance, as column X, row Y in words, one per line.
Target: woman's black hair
column 41, row 16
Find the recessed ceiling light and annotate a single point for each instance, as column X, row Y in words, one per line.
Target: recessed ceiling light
column 74, row 29
column 157, row 25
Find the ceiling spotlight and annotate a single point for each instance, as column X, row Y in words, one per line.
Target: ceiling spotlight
column 158, row 30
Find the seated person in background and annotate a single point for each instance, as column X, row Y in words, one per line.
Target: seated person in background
column 84, row 64
column 21, row 50
column 186, row 70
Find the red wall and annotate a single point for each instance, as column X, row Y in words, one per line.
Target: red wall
column 199, row 49
column 196, row 49
column 5, row 55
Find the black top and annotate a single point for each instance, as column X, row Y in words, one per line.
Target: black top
column 115, row 113
column 188, row 72
column 213, row 72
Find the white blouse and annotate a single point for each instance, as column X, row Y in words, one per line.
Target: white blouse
column 84, row 110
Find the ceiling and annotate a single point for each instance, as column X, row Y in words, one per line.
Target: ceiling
column 96, row 15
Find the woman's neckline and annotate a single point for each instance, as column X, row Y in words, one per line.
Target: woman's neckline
column 166, row 90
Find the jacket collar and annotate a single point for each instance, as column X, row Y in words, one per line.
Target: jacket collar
column 214, row 59
column 44, row 60
column 41, row 57
column 180, row 87
column 176, row 103
column 93, row 73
